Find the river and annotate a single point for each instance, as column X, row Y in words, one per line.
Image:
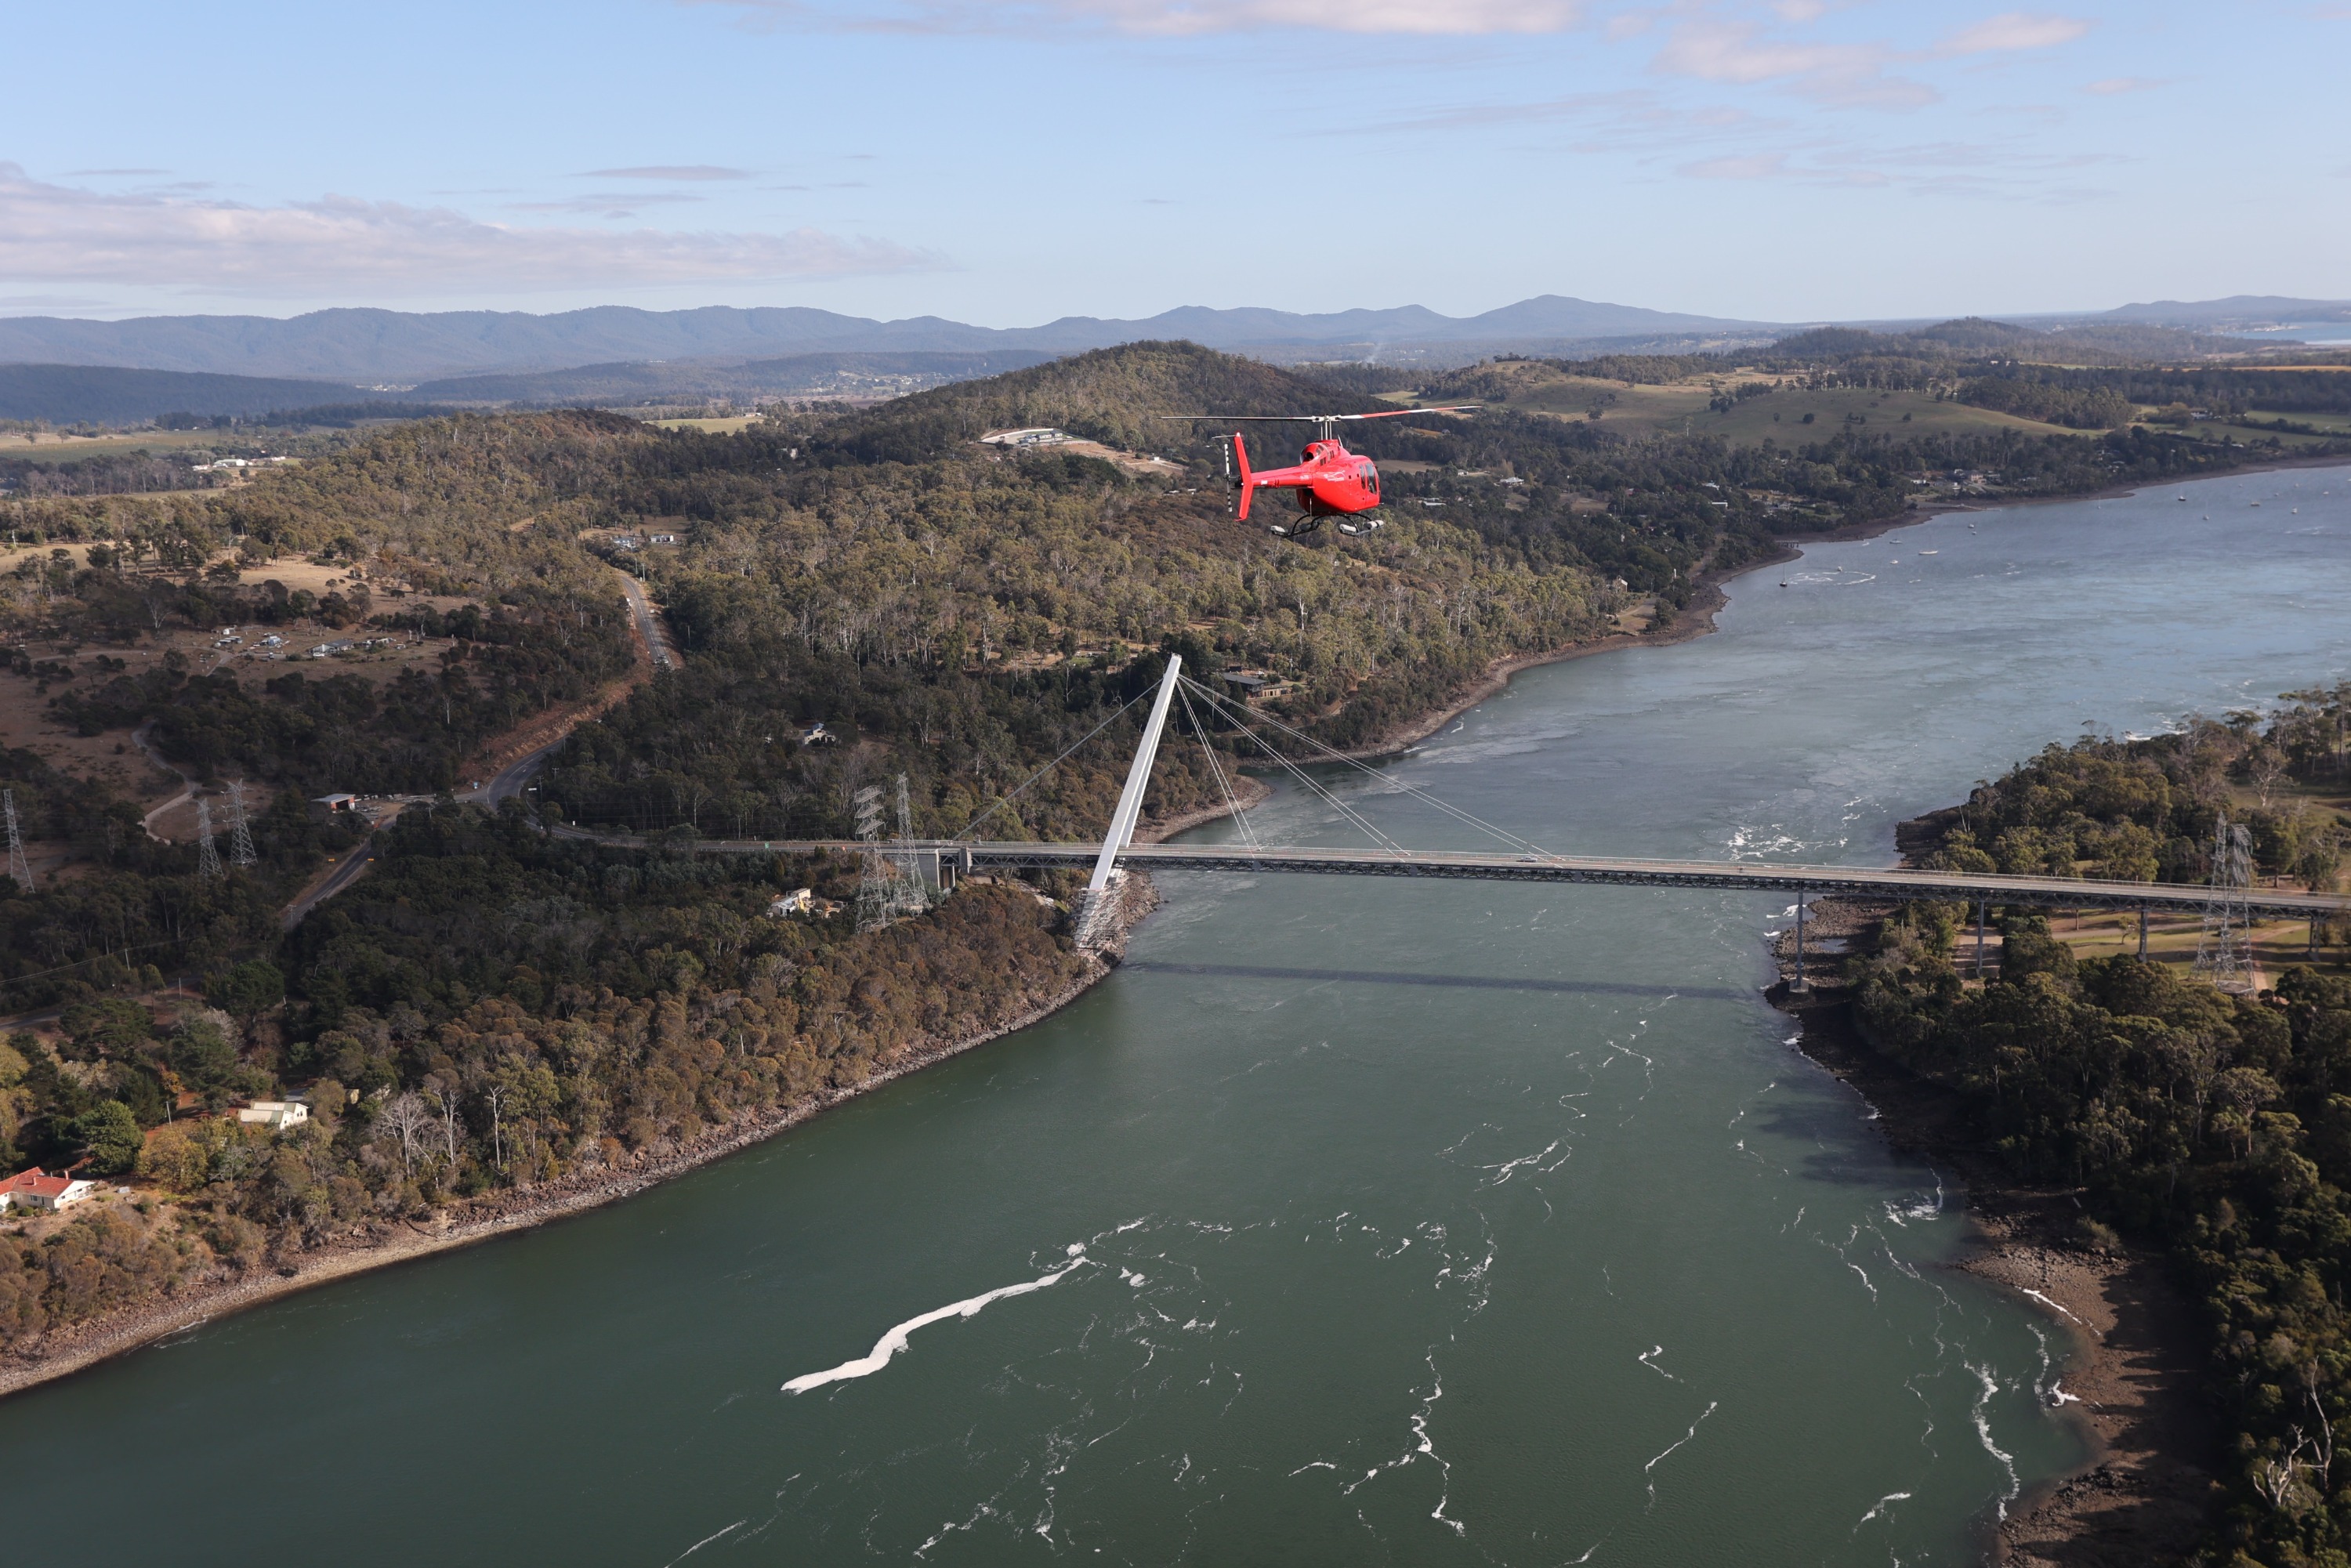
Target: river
column 1351, row 1221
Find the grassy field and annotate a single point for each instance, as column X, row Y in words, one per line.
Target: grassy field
column 734, row 427
column 2333, row 424
column 1778, row 415
column 47, row 447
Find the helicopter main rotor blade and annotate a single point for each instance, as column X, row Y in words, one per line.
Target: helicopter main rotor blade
column 1316, row 418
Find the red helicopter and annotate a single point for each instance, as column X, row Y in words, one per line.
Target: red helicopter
column 1331, row 481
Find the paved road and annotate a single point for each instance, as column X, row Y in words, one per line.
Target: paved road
column 656, row 636
column 347, row 870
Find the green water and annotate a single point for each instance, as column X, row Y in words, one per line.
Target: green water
column 1383, row 1221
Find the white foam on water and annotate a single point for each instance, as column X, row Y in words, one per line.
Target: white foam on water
column 705, row 1541
column 1921, row 1208
column 1878, row 1507
column 1648, row 1359
column 1649, row 1469
column 1422, row 1446
column 1982, row 1413
column 2058, row 1397
column 1503, row 1172
column 891, row 1343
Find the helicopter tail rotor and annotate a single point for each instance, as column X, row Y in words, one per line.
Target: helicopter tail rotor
column 1241, row 453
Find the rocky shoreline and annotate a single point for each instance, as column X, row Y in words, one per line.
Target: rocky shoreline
column 2149, row 1490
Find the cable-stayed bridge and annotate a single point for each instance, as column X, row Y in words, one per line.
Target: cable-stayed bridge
column 940, row 860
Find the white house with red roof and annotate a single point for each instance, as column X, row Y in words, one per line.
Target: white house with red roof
column 32, row 1189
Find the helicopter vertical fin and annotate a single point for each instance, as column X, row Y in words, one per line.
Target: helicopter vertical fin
column 1241, row 453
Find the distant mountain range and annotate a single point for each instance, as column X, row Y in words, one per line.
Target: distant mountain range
column 371, row 348
column 66, row 370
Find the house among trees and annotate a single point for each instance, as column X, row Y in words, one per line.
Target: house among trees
column 32, row 1190
column 275, row 1114
column 802, row 901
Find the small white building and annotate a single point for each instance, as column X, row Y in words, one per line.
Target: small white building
column 1035, row 435
column 800, row 901
column 275, row 1114
column 34, row 1189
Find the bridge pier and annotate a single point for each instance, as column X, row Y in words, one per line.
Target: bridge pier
column 2142, row 933
column 1980, row 911
column 1797, row 986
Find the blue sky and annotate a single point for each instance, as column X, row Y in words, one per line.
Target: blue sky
column 1009, row 164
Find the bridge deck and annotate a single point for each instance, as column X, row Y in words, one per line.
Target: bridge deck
column 1862, row 882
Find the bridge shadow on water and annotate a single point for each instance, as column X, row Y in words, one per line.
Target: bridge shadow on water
column 1463, row 982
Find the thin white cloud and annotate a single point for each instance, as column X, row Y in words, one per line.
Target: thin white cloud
column 1179, row 17
column 688, row 171
column 1748, row 166
column 113, row 173
column 606, row 203
column 1424, row 16
column 2012, row 31
column 2110, row 86
column 1738, row 54
column 338, row 245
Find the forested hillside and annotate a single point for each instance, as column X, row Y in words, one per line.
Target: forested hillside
column 2216, row 1128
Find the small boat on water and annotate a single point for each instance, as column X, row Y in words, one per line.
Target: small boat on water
column 1930, row 552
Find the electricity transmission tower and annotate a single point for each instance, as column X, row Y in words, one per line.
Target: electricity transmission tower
column 240, row 836
column 891, row 888
column 2224, row 954
column 18, row 871
column 208, row 865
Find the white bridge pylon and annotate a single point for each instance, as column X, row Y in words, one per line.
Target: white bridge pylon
column 1129, row 812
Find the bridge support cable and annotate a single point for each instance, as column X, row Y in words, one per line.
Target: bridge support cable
column 964, row 833
column 1305, row 781
column 1217, row 770
column 1415, row 790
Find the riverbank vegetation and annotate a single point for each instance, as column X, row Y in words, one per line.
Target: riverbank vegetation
column 2214, row 1127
